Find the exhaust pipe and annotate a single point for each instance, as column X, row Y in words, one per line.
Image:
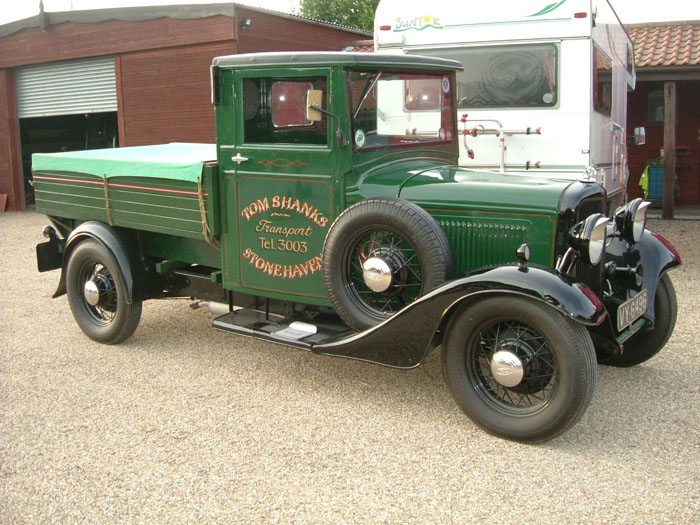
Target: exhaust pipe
column 214, row 307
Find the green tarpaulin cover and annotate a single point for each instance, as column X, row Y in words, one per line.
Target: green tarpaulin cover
column 178, row 161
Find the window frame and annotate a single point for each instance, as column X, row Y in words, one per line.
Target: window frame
column 597, row 103
column 313, row 75
column 461, row 54
column 350, row 101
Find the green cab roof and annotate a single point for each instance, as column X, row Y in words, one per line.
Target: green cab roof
column 335, row 58
column 176, row 160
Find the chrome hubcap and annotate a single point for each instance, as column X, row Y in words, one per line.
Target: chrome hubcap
column 377, row 274
column 91, row 293
column 507, row 368
column 386, row 268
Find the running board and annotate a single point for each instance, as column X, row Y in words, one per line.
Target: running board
column 406, row 338
column 279, row 329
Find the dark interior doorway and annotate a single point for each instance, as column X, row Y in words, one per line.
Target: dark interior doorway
column 64, row 133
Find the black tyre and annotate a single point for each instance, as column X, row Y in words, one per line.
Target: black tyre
column 645, row 345
column 381, row 255
column 97, row 294
column 519, row 369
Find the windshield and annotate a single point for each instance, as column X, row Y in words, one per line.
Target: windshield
column 400, row 109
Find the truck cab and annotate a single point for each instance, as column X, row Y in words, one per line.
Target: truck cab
column 288, row 171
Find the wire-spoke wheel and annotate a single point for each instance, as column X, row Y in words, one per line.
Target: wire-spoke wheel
column 380, row 256
column 519, row 369
column 407, row 272
column 513, row 350
column 98, row 283
column 97, row 294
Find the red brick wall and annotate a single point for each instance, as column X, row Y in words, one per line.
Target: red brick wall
column 688, row 157
column 271, row 33
column 165, row 95
column 9, row 143
column 70, row 40
column 5, row 130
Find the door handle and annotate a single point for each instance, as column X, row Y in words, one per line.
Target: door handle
column 239, row 158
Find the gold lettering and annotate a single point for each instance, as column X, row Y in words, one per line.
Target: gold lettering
column 256, row 208
column 283, row 271
column 286, row 203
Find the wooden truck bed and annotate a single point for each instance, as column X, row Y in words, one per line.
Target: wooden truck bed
column 167, row 188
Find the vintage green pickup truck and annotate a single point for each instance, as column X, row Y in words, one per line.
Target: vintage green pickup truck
column 330, row 216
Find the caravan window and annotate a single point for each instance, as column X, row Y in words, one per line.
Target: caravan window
column 504, row 76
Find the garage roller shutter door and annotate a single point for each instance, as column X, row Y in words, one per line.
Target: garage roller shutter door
column 67, row 88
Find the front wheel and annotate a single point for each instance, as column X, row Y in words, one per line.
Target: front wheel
column 97, row 294
column 519, row 369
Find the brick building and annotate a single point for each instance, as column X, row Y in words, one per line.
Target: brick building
column 127, row 77
column 667, row 52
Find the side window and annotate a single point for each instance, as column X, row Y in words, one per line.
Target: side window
column 602, row 87
column 656, row 106
column 630, row 59
column 274, row 111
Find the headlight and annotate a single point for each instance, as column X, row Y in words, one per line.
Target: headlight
column 631, row 219
column 588, row 238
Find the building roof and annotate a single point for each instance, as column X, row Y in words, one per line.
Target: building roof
column 666, row 44
column 142, row 13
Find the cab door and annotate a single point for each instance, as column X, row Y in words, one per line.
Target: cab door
column 278, row 185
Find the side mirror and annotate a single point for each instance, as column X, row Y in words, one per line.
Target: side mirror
column 640, row 136
column 314, row 97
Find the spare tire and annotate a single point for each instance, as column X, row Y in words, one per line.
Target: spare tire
column 380, row 255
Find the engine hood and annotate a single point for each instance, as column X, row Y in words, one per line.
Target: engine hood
column 460, row 188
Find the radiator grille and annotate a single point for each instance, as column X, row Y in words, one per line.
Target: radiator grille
column 476, row 243
column 592, row 276
column 590, row 206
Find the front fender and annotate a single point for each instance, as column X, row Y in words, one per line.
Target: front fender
column 403, row 341
column 124, row 249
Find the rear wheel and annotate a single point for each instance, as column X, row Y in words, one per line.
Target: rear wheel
column 518, row 369
column 97, row 294
column 645, row 345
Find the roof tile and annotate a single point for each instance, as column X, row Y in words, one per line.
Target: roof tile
column 666, row 44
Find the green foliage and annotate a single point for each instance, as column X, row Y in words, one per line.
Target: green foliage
column 354, row 13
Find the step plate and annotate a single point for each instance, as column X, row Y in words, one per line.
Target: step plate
column 279, row 329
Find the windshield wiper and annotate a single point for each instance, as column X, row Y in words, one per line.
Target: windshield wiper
column 368, row 90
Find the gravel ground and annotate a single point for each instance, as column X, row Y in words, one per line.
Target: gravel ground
column 183, row 423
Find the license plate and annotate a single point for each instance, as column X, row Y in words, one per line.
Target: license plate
column 632, row 310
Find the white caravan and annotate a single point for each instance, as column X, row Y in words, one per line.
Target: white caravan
column 544, row 86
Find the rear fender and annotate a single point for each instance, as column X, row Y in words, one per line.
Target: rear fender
column 124, row 249
column 404, row 340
